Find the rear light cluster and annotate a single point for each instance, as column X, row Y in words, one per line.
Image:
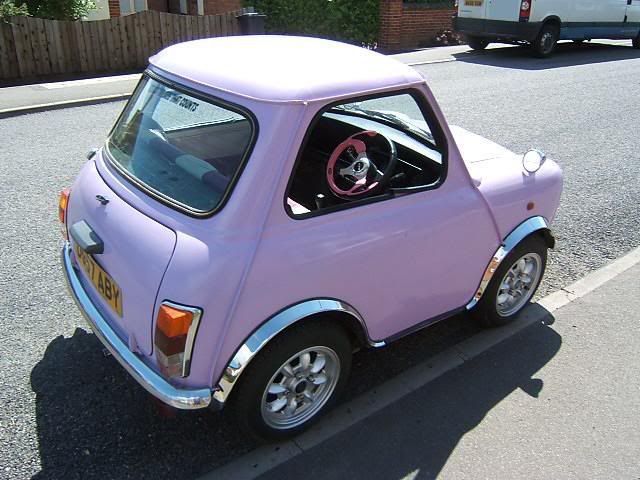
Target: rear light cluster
column 63, row 204
column 525, row 10
column 176, row 328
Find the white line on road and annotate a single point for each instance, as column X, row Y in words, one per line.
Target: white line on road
column 267, row 457
column 89, row 81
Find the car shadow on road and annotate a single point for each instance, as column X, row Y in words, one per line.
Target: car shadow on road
column 415, row 436
column 94, row 421
column 566, row 55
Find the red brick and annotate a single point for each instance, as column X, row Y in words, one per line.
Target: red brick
column 114, row 8
column 409, row 26
column 215, row 7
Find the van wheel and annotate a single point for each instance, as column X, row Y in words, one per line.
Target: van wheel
column 293, row 380
column 514, row 283
column 477, row 43
column 545, row 44
column 636, row 42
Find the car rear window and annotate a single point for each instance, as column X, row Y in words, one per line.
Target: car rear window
column 181, row 148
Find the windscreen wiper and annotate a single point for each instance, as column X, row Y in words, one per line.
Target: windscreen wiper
column 388, row 116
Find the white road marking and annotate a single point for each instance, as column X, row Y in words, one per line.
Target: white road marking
column 89, row 81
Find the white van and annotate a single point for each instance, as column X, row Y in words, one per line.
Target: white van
column 542, row 23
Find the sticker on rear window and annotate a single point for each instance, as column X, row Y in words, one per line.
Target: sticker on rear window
column 181, row 101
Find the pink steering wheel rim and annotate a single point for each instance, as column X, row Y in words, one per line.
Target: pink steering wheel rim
column 360, row 147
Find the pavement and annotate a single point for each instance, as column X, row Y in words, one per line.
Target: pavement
column 499, row 405
column 48, row 96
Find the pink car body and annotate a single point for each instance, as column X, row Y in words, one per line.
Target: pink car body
column 252, row 269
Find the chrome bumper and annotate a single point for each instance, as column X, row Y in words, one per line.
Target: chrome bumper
column 152, row 382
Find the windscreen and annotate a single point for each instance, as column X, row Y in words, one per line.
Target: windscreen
column 178, row 147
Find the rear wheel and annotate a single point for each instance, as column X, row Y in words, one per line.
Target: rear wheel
column 293, row 380
column 544, row 45
column 514, row 283
column 477, row 43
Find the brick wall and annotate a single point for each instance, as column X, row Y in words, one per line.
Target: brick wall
column 214, row 7
column 114, row 8
column 405, row 26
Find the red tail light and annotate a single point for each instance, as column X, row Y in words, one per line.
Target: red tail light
column 63, row 203
column 176, row 328
column 525, row 10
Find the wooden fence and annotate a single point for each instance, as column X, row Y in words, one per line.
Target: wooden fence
column 33, row 47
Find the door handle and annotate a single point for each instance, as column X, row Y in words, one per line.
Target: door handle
column 86, row 238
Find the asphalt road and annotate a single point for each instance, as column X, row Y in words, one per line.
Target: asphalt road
column 68, row 412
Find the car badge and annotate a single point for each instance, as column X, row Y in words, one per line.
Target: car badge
column 102, row 200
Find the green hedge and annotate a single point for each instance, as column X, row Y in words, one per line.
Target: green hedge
column 353, row 21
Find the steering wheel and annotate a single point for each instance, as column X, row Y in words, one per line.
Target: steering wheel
column 351, row 171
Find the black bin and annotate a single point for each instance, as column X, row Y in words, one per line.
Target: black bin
column 251, row 23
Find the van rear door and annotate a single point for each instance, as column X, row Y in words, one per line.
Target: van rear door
column 633, row 15
column 473, row 8
column 506, row 10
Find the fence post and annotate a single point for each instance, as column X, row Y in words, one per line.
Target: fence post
column 390, row 25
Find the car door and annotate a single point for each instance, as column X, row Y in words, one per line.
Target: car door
column 401, row 258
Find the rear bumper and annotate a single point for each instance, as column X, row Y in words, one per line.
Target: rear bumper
column 497, row 29
column 156, row 385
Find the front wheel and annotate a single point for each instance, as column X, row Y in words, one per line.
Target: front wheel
column 514, row 283
column 545, row 44
column 477, row 43
column 293, row 380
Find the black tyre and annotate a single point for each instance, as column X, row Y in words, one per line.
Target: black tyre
column 514, row 283
column 477, row 43
column 293, row 380
column 544, row 45
column 636, row 42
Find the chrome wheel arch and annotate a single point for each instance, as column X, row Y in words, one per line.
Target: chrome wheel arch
column 306, row 310
column 532, row 225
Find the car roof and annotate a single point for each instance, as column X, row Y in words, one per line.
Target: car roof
column 283, row 68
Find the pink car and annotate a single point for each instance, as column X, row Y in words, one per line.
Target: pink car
column 265, row 206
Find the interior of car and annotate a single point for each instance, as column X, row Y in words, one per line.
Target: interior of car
column 395, row 156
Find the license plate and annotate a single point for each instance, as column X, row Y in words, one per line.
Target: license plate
column 101, row 280
column 473, row 3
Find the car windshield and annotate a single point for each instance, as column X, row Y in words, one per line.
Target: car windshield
column 400, row 120
column 185, row 150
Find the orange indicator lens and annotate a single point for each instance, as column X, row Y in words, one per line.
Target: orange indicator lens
column 63, row 202
column 173, row 322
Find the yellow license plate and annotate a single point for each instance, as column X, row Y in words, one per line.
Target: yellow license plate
column 101, row 280
column 473, row 3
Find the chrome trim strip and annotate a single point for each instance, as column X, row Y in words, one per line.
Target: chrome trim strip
column 270, row 329
column 151, row 381
column 526, row 228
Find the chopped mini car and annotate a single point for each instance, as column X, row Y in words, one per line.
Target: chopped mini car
column 265, row 206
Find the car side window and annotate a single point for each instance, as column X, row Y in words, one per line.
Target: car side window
column 365, row 150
